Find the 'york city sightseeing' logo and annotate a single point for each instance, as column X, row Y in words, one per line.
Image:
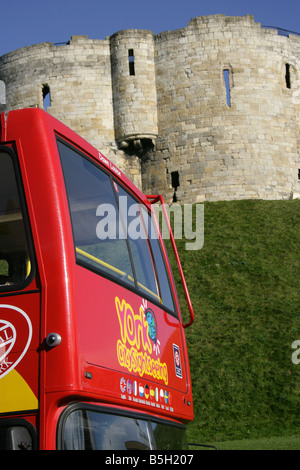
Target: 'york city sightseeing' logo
column 139, row 341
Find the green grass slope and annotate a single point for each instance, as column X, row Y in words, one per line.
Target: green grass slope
column 244, row 285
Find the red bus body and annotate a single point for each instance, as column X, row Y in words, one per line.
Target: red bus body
column 101, row 354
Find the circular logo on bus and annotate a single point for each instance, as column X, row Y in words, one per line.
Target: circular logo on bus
column 152, row 326
column 15, row 337
column 7, row 339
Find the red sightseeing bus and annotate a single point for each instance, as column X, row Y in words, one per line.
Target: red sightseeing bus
column 92, row 346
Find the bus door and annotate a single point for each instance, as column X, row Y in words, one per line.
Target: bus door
column 19, row 311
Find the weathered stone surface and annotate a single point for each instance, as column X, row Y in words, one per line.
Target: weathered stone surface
column 158, row 104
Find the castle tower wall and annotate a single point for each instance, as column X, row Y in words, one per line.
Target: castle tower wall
column 77, row 79
column 74, row 74
column 134, row 87
column 248, row 148
column 207, row 112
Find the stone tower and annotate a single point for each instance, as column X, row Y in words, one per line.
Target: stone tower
column 134, row 88
column 207, row 112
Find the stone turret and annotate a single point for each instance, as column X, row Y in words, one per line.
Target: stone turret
column 134, row 89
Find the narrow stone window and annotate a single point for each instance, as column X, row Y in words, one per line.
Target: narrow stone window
column 299, row 174
column 2, row 93
column 226, row 77
column 175, row 183
column 131, row 61
column 288, row 75
column 46, row 97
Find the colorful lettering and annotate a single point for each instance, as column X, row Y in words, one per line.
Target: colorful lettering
column 134, row 328
column 134, row 348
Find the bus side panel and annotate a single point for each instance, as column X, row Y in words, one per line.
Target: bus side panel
column 120, row 331
column 19, row 356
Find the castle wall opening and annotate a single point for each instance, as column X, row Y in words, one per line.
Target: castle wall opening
column 175, row 183
column 288, row 75
column 226, row 77
column 131, row 62
column 46, row 97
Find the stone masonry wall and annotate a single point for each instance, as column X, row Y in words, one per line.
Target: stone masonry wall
column 249, row 149
column 78, row 76
column 159, row 107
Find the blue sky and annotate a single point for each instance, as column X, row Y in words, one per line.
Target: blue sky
column 27, row 22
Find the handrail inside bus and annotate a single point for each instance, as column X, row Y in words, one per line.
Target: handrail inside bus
column 158, row 198
column 116, row 270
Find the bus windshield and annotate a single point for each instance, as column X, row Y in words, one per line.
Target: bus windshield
column 114, row 234
column 88, row 427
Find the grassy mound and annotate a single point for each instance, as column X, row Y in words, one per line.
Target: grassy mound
column 245, row 288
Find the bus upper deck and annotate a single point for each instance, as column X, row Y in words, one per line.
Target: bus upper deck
column 92, row 346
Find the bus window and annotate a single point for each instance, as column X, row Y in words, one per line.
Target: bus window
column 89, row 427
column 169, row 437
column 15, row 266
column 111, row 234
column 90, row 430
column 147, row 257
column 89, row 188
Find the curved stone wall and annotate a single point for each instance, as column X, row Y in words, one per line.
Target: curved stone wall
column 207, row 112
column 247, row 148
